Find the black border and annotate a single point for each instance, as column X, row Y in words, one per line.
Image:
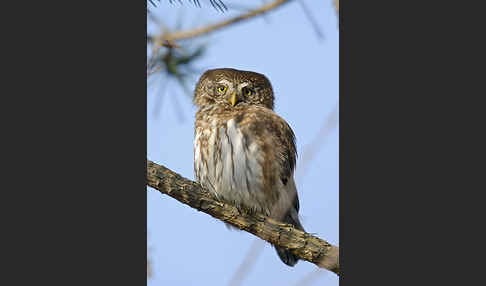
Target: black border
column 75, row 144
column 407, row 134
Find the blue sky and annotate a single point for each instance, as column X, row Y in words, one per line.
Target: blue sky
column 188, row 247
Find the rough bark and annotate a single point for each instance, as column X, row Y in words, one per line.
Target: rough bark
column 302, row 244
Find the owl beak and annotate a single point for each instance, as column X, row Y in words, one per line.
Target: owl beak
column 233, row 99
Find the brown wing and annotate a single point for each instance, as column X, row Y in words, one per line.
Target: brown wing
column 277, row 141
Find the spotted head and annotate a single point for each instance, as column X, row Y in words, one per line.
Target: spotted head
column 231, row 88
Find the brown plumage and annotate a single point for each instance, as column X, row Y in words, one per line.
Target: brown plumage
column 243, row 151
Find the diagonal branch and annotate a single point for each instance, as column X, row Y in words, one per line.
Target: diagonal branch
column 179, row 35
column 302, row 244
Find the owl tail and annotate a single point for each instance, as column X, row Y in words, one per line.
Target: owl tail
column 286, row 256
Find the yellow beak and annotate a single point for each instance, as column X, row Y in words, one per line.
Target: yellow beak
column 233, row 99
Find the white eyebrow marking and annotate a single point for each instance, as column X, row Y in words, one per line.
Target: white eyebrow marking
column 242, row 85
column 225, row 82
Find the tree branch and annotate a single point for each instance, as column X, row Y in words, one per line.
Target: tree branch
column 302, row 244
column 179, row 35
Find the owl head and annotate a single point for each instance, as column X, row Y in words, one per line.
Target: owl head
column 233, row 88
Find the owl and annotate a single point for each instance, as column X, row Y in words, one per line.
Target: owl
column 244, row 152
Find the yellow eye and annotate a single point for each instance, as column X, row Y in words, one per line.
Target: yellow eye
column 222, row 89
column 248, row 91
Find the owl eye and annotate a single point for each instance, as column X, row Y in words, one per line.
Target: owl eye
column 248, row 91
column 221, row 89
